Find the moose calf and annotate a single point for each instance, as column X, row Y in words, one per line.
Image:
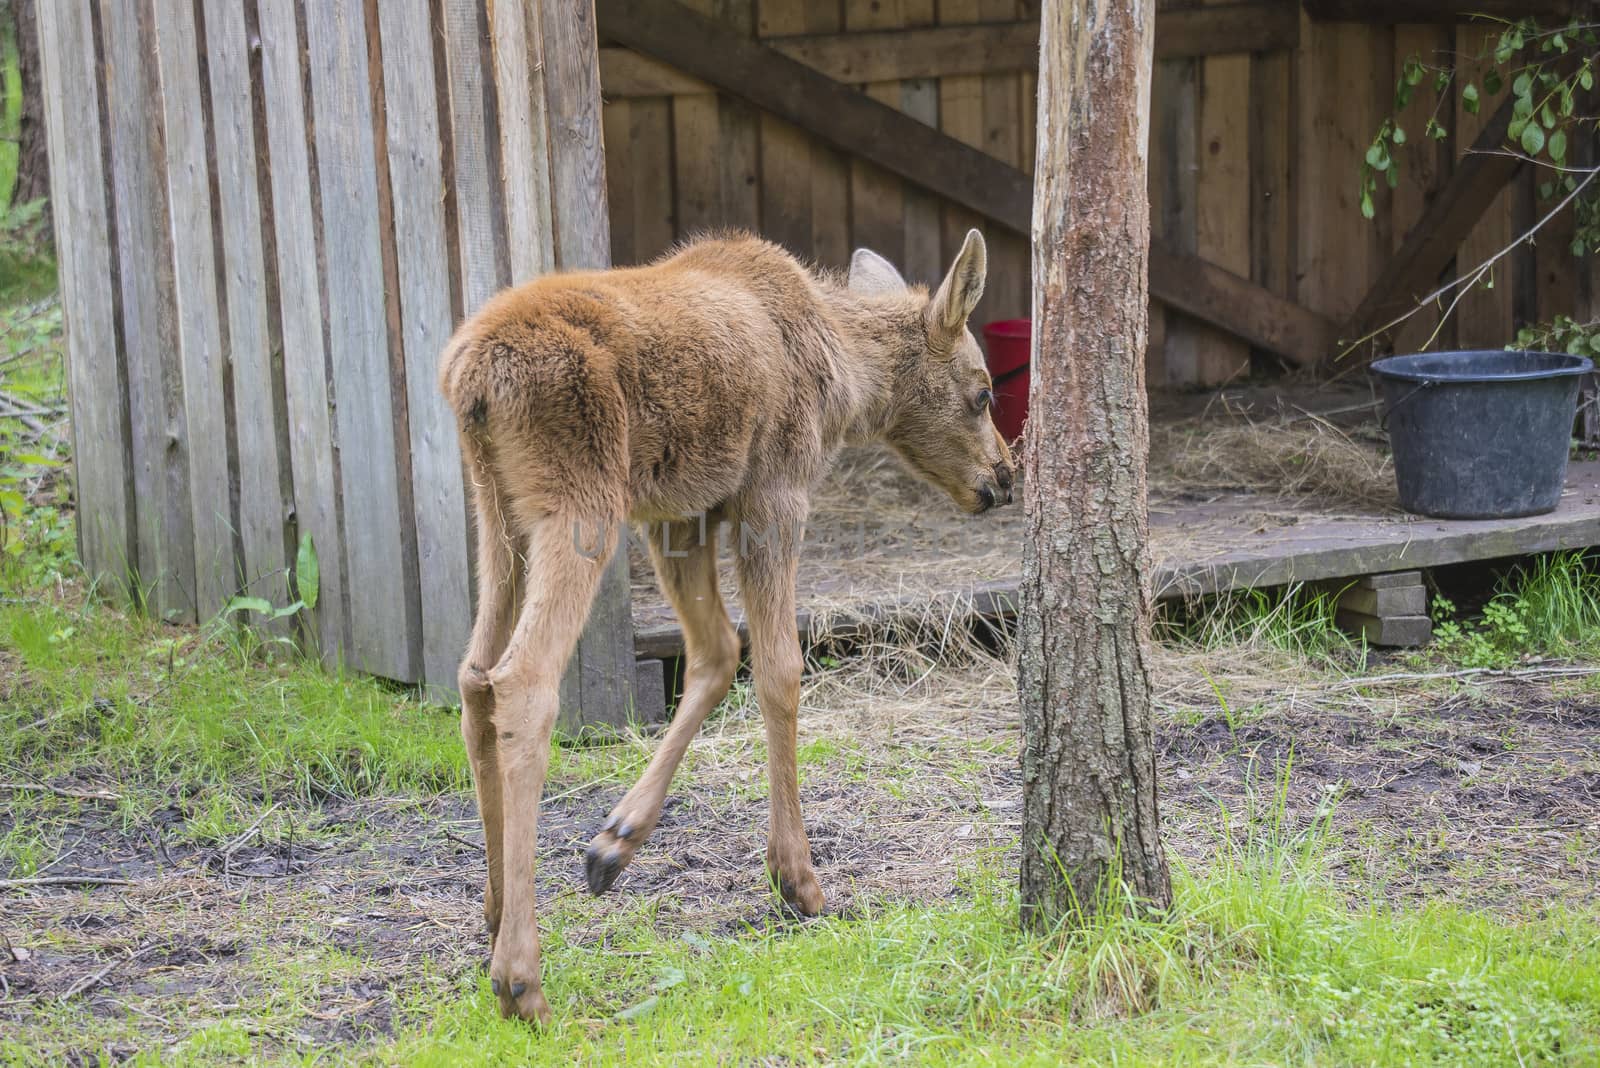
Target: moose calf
column 715, row 384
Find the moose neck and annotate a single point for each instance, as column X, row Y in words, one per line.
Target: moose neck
column 875, row 334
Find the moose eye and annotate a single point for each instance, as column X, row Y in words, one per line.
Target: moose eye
column 983, row 401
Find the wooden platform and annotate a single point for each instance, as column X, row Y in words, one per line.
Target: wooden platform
column 1235, row 542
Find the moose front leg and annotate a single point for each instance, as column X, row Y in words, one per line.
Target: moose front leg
column 766, row 579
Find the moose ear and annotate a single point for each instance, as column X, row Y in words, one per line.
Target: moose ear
column 871, row 274
column 962, row 287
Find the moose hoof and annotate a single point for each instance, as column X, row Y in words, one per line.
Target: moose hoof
column 801, row 892
column 602, row 863
column 522, row 1000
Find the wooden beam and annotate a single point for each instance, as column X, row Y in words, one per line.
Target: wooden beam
column 948, row 51
column 1451, row 11
column 857, row 124
column 1429, row 246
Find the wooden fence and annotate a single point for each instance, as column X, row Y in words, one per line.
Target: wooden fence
column 270, row 216
column 1261, row 115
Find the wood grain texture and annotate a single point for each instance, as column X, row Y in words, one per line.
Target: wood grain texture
column 877, row 209
column 1222, row 202
column 384, row 638
column 101, row 448
column 830, row 173
column 148, row 326
column 598, row 688
column 1008, row 291
column 1424, row 167
column 265, row 489
column 217, row 573
column 294, row 195
column 524, row 137
column 1484, row 317
column 1172, row 181
column 944, row 51
column 1338, row 250
column 484, row 256
column 416, row 176
column 785, row 150
column 739, row 141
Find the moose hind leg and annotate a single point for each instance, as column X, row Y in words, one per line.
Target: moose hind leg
column 499, row 579
column 686, row 565
column 526, row 682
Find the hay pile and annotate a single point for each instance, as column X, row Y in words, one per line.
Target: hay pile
column 1303, row 460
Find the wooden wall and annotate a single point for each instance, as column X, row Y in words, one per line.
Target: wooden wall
column 1254, row 158
column 271, row 215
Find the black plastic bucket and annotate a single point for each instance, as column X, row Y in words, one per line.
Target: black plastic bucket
column 1480, row 435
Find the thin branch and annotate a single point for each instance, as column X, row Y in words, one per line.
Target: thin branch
column 1465, row 283
column 63, row 880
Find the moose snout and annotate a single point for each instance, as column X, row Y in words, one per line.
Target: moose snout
column 999, row 491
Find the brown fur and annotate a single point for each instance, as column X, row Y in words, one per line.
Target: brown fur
column 718, row 382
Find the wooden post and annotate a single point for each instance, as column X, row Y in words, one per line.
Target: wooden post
column 1088, row 754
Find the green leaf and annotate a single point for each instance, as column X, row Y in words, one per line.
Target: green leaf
column 1514, row 130
column 1586, row 79
column 1375, row 156
column 1392, row 176
column 307, row 575
column 249, row 604
column 1547, row 117
column 1469, row 98
column 287, row 610
column 1367, row 208
column 1532, row 138
column 1399, row 136
column 1492, row 82
column 1522, row 86
column 1557, row 146
column 1413, row 70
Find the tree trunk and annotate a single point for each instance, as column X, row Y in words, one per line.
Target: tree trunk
column 1090, row 825
column 33, row 166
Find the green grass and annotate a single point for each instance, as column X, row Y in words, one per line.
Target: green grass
column 1258, row 962
column 1296, row 619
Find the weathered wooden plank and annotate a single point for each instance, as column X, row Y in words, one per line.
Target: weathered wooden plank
column 1424, row 166
column 877, row 210
column 785, row 150
column 1271, row 173
column 1484, row 315
column 1009, row 290
column 1337, row 548
column 1338, row 250
column 1222, row 202
column 973, row 179
column 961, row 118
column 625, row 73
column 578, row 195
column 650, row 147
column 479, row 213
column 149, row 331
column 524, row 138
column 101, row 450
column 830, row 171
column 617, row 124
column 416, row 176
column 217, row 572
column 1411, row 270
column 948, row 50
column 302, row 307
column 265, row 491
column 1174, row 172
column 1391, row 11
column 384, row 638
column 697, row 141
column 739, row 124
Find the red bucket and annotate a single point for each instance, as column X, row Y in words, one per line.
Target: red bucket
column 1009, row 342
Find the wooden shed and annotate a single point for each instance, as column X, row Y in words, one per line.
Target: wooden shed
column 271, row 213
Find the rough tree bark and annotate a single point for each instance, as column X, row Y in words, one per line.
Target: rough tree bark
column 33, row 166
column 1088, row 755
